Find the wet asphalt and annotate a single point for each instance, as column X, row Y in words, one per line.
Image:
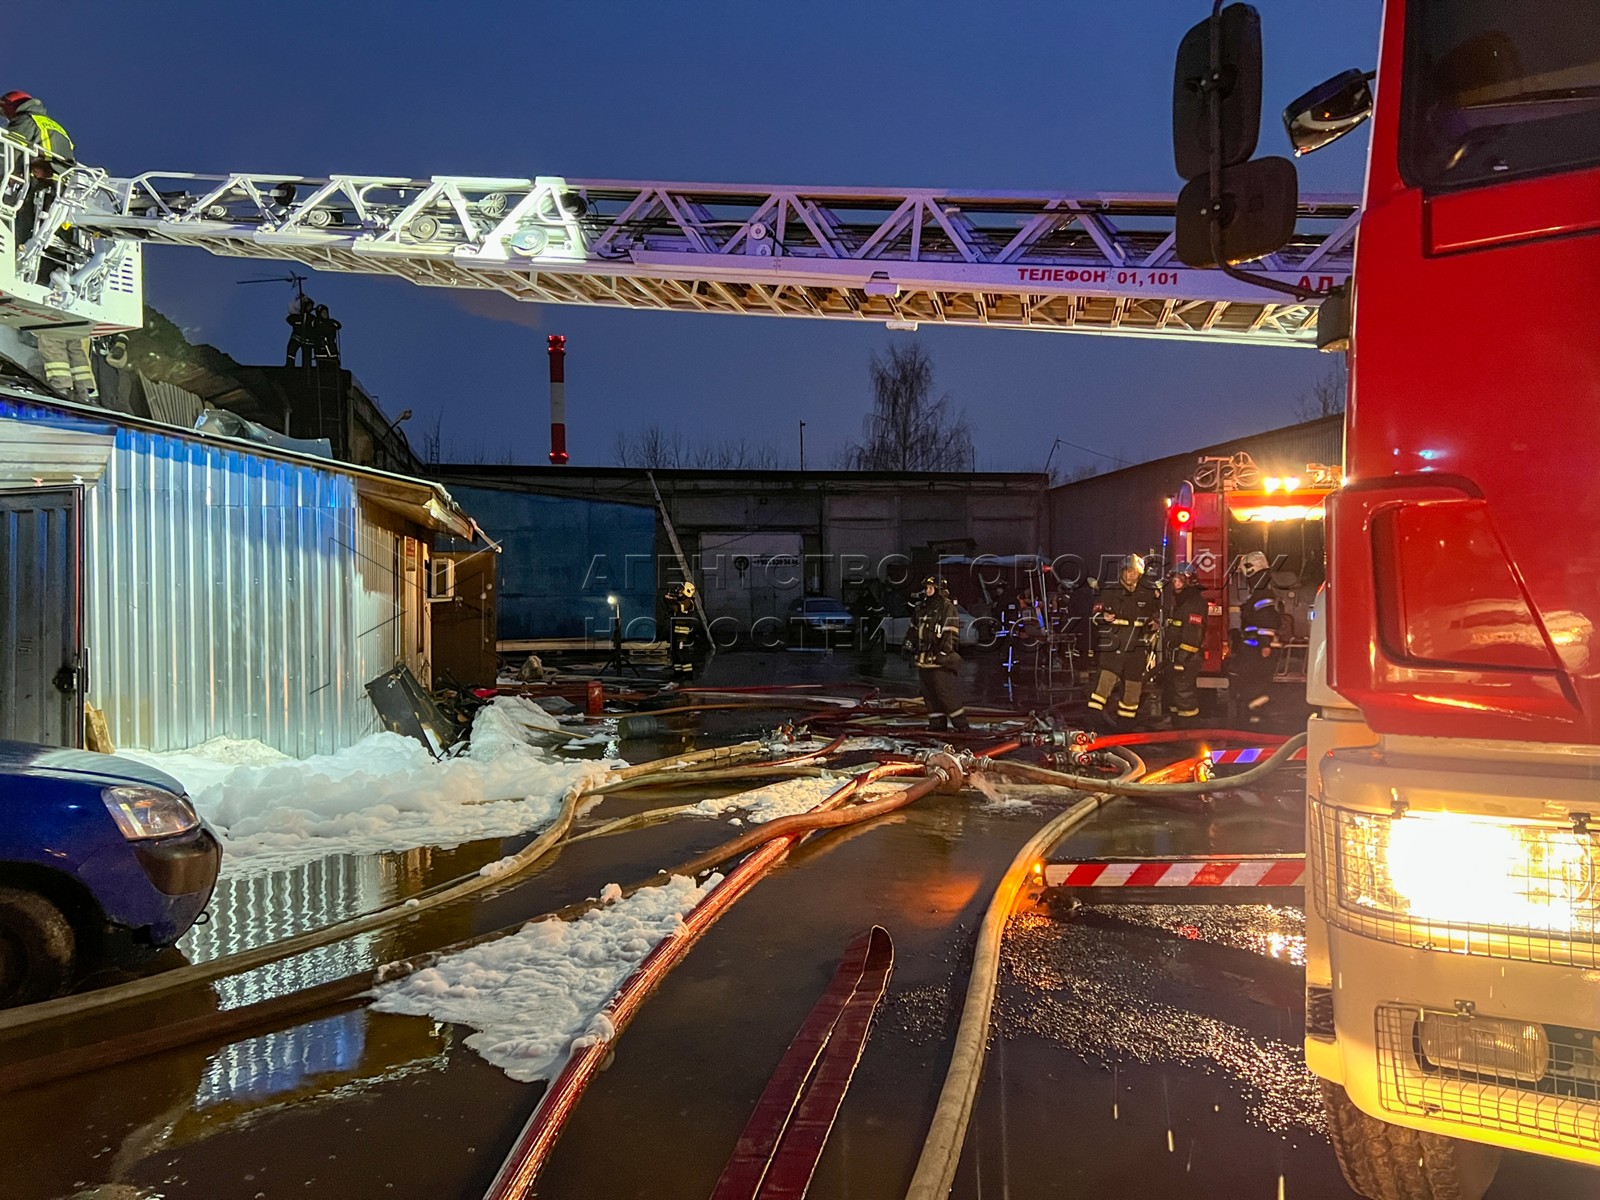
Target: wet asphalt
column 1135, row 1051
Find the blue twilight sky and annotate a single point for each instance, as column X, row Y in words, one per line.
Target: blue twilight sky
column 1071, row 94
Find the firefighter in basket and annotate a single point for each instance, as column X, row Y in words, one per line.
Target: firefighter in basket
column 1183, row 624
column 1125, row 623
column 935, row 635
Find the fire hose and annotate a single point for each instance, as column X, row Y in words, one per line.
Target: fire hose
column 66, row 1008
column 941, row 1152
column 532, row 1148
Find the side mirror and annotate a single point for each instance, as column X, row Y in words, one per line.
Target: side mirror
column 1256, row 210
column 1328, row 111
column 1237, row 84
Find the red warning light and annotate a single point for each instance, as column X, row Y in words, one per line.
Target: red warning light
column 1181, row 516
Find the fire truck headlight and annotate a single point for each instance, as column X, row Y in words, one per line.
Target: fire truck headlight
column 1447, row 868
column 1485, row 1046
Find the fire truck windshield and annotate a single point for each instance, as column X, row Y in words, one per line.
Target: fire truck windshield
column 1498, row 91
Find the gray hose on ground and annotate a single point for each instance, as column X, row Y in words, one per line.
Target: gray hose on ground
column 1089, row 783
column 941, row 1151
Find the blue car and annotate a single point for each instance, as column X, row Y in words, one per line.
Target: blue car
column 94, row 852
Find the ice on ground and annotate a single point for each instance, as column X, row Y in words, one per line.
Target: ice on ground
column 538, row 994
column 384, row 793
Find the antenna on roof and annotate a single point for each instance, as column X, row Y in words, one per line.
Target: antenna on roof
column 293, row 277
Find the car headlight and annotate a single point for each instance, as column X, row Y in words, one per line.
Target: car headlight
column 148, row 812
column 1448, row 868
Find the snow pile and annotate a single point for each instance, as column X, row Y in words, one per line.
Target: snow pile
column 537, row 994
column 384, row 793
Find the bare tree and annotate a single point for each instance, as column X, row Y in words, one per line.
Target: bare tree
column 1325, row 397
column 909, row 430
column 433, row 440
column 655, row 447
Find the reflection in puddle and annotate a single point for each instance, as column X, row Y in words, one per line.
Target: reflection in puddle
column 1107, row 994
column 257, row 910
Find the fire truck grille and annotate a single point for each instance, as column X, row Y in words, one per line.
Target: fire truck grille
column 1488, row 1073
column 1319, row 1012
column 1524, row 891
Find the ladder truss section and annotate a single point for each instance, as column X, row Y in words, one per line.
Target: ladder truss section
column 1093, row 263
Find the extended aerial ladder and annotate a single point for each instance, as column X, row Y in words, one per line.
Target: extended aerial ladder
column 1084, row 263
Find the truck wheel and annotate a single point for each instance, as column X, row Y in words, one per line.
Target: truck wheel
column 1390, row 1162
column 37, row 947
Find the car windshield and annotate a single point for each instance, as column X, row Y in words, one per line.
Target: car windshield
column 1497, row 91
column 826, row 605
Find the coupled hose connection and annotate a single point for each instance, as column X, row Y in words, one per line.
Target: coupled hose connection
column 1120, row 787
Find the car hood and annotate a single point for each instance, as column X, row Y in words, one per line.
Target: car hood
column 27, row 760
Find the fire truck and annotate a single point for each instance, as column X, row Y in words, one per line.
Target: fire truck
column 1453, row 788
column 1454, row 760
column 1230, row 507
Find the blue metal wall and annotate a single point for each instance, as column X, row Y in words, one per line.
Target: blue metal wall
column 561, row 556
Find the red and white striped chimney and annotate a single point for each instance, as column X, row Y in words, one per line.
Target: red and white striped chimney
column 558, row 400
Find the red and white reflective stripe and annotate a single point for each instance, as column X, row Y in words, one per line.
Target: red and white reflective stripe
column 1252, row 754
column 1276, row 871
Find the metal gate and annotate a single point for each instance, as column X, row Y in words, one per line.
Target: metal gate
column 41, row 622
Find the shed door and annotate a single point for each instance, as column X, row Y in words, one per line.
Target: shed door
column 41, row 602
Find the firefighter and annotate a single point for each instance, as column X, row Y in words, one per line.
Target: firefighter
column 302, row 338
column 325, row 338
column 1183, row 623
column 1260, row 620
column 68, row 367
column 935, row 635
column 1126, row 620
column 680, row 630
column 52, row 149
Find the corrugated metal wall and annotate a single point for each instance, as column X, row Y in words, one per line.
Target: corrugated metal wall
column 1121, row 512
column 232, row 594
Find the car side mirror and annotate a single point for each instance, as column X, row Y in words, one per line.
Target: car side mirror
column 1328, row 111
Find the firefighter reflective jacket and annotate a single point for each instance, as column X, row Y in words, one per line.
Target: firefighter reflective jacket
column 1127, row 617
column 1260, row 619
column 1183, row 621
column 935, row 631
column 34, row 126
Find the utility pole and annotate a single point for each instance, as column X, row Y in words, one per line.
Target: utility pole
column 802, row 445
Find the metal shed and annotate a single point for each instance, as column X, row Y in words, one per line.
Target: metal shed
column 193, row 587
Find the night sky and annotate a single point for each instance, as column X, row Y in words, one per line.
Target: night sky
column 1064, row 95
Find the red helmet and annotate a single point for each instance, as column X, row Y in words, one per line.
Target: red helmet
column 11, row 99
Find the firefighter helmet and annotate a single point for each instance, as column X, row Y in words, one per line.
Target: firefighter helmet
column 1254, row 563
column 687, row 590
column 12, row 99
column 1190, row 573
column 937, row 582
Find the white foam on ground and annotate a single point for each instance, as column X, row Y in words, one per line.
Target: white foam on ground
column 384, row 793
column 789, row 797
column 536, row 995
column 763, row 804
